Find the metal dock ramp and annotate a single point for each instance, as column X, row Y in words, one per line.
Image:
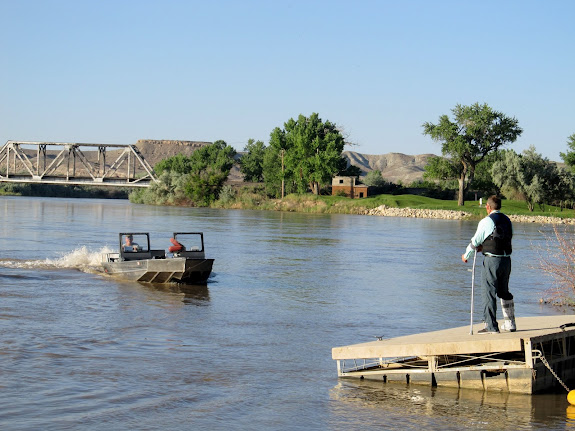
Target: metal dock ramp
column 510, row 361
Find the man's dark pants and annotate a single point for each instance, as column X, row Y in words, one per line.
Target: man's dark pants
column 494, row 283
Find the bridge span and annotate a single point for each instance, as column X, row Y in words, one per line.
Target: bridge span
column 74, row 164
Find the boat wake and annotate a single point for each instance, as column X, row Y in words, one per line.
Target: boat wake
column 81, row 259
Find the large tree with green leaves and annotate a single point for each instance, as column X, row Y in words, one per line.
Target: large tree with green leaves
column 306, row 153
column 569, row 156
column 475, row 132
column 179, row 163
column 533, row 177
column 198, row 177
column 210, row 167
column 251, row 163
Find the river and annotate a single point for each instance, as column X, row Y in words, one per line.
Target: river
column 252, row 348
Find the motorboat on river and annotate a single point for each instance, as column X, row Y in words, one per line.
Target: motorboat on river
column 185, row 261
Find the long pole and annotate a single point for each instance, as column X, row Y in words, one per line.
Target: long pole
column 472, row 290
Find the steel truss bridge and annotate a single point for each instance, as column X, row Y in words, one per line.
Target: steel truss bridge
column 74, row 164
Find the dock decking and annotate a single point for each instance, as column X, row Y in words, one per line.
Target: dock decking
column 509, row 361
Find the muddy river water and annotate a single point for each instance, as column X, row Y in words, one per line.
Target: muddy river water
column 252, row 348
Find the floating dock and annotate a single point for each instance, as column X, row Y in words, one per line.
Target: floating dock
column 512, row 362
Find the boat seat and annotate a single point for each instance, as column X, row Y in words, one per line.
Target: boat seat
column 193, row 254
column 140, row 255
column 136, row 255
column 158, row 254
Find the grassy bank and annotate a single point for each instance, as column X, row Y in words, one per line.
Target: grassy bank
column 254, row 198
column 342, row 205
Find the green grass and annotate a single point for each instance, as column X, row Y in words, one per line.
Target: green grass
column 343, row 205
column 520, row 208
column 472, row 207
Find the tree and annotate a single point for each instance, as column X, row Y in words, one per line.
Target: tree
column 307, row 152
column 440, row 168
column 444, row 170
column 374, row 178
column 169, row 190
column 348, row 171
column 476, row 132
column 483, row 178
column 273, row 167
column 251, row 163
column 210, row 167
column 178, row 163
column 569, row 156
column 564, row 190
column 532, row 176
column 199, row 176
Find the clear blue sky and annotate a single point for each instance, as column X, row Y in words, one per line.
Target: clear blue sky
column 117, row 71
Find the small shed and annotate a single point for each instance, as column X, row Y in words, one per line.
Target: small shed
column 349, row 186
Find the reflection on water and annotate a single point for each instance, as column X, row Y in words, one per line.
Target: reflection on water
column 410, row 406
column 193, row 294
column 570, row 412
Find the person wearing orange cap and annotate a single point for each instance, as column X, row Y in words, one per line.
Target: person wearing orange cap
column 176, row 246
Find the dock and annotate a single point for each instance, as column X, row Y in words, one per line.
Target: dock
column 538, row 357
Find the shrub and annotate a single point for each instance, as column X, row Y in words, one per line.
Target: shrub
column 227, row 195
column 557, row 260
column 374, row 179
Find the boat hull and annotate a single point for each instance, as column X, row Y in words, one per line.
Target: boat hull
column 171, row 270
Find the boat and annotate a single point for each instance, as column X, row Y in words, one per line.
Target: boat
column 185, row 261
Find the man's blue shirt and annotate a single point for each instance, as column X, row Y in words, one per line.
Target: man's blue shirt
column 485, row 228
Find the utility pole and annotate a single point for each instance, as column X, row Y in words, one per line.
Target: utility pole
column 283, row 181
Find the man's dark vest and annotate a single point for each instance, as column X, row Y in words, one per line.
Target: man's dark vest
column 499, row 242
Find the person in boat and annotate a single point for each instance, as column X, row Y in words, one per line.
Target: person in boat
column 493, row 238
column 176, row 247
column 130, row 245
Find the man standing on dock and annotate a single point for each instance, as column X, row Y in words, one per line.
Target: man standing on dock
column 493, row 238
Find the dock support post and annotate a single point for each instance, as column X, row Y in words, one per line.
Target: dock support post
column 432, row 364
column 527, row 346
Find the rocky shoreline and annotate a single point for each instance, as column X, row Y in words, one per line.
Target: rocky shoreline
column 541, row 219
column 385, row 211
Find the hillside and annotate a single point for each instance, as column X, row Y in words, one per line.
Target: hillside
column 393, row 166
column 154, row 150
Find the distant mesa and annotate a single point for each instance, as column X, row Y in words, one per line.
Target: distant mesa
column 156, row 150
